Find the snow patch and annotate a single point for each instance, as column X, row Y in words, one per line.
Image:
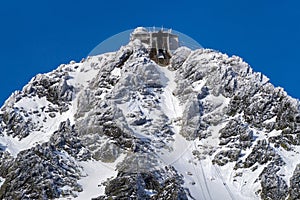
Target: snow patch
column 2, row 180
column 170, row 104
column 96, row 173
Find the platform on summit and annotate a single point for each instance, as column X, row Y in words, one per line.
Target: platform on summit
column 162, row 43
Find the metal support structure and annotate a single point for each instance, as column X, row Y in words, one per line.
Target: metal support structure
column 161, row 43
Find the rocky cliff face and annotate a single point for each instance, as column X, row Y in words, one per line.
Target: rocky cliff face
column 118, row 126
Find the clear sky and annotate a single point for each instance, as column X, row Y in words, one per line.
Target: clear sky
column 36, row 36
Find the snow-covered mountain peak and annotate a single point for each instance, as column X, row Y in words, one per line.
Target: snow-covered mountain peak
column 123, row 124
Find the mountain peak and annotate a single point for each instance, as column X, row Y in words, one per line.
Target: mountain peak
column 198, row 125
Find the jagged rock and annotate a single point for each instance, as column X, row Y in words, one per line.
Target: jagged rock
column 135, row 185
column 55, row 88
column 178, row 58
column 40, row 173
column 191, row 118
column 223, row 157
column 234, row 131
column 261, row 153
column 108, row 152
column 6, row 161
column 273, row 186
column 66, row 138
column 294, row 190
column 140, row 121
column 171, row 190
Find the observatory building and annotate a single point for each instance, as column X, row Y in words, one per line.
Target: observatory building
column 161, row 44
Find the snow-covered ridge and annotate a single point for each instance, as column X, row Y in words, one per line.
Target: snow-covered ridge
column 118, row 125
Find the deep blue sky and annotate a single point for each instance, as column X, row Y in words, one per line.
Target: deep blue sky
column 36, row 36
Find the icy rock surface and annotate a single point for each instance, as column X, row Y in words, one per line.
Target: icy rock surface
column 119, row 126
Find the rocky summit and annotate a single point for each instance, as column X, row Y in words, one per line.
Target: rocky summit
column 120, row 126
